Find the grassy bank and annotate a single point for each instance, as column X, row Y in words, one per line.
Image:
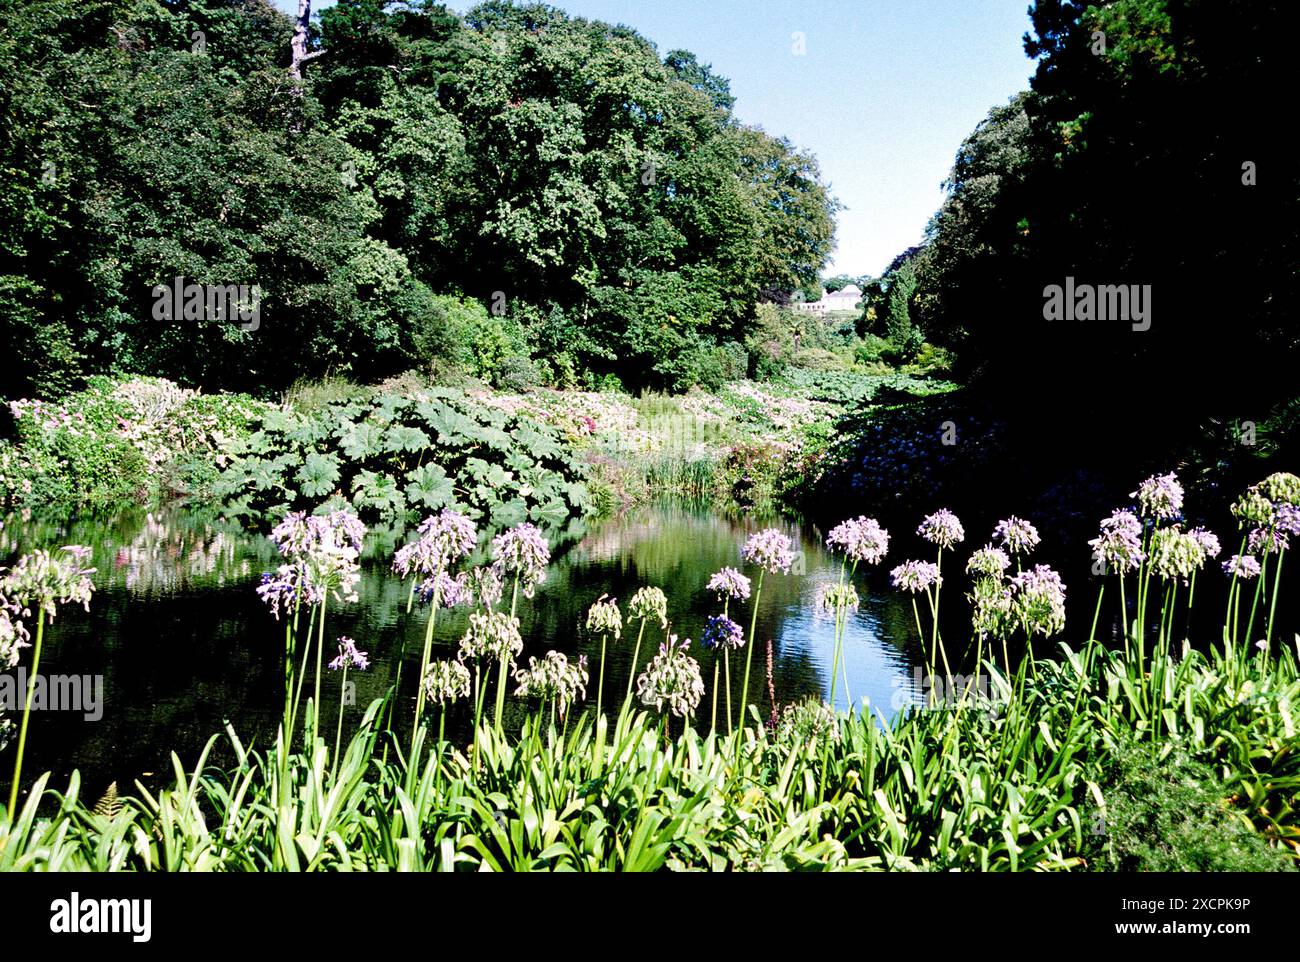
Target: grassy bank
column 1092, row 763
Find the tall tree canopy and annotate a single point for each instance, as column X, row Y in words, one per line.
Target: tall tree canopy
column 1150, row 151
column 603, row 199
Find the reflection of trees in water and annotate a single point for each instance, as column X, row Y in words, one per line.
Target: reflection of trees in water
column 147, row 551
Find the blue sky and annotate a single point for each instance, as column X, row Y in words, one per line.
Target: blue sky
column 884, row 94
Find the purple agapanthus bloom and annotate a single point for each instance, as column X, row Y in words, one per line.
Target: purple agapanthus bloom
column 1120, row 541
column 729, row 583
column 523, row 552
column 44, row 580
column 861, row 539
column 942, row 528
column 449, row 591
column 1016, row 535
column 989, row 561
column 1038, row 597
column 350, row 656
column 915, row 576
column 1242, row 566
column 1208, row 541
column 1286, row 518
column 299, row 533
column 770, row 550
column 1268, row 540
column 1160, row 496
column 444, row 539
column 302, row 582
column 721, row 632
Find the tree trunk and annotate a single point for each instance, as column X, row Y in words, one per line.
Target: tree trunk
column 298, row 45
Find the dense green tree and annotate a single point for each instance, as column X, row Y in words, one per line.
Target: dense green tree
column 1129, row 163
column 599, row 198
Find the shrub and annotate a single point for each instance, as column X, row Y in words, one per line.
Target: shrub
column 391, row 455
column 118, row 442
column 1169, row 814
column 871, row 348
column 518, row 373
column 817, row 359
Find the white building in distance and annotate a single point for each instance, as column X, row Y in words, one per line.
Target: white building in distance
column 846, row 300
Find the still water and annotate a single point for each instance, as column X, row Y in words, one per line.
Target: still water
column 183, row 643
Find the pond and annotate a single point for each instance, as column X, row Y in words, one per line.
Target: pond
column 183, row 643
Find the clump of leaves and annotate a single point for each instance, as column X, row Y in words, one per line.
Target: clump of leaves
column 1172, row 814
column 392, row 456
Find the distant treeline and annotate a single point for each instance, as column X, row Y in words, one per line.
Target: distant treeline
column 518, row 193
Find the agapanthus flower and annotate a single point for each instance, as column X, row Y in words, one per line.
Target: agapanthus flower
column 1038, row 597
column 915, row 576
column 835, row 597
column 487, row 585
column 988, row 561
column 1254, row 507
column 1160, row 496
column 554, row 678
column 450, row 592
column 41, row 581
column 672, row 678
column 1175, row 554
column 729, row 583
column 1120, row 542
column 13, row 634
column 1286, row 519
column 444, row 539
column 942, row 528
column 523, row 552
column 1208, row 541
column 647, row 604
column 1242, row 566
column 446, row 681
column 1282, row 488
column 604, row 618
column 491, row 634
column 350, row 656
column 808, row 721
column 1267, row 540
column 300, row 533
column 721, row 632
column 861, row 539
column 289, row 585
column 992, row 607
column 1016, row 535
column 333, row 568
column 770, row 550
column 292, row 535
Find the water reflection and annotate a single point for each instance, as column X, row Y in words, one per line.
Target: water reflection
column 184, row 644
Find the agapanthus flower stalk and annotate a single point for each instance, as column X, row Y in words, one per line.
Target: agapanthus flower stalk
column 672, row 680
column 647, row 603
column 860, row 539
column 554, row 679
column 1160, row 496
column 1017, row 535
column 605, row 619
column 39, row 582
